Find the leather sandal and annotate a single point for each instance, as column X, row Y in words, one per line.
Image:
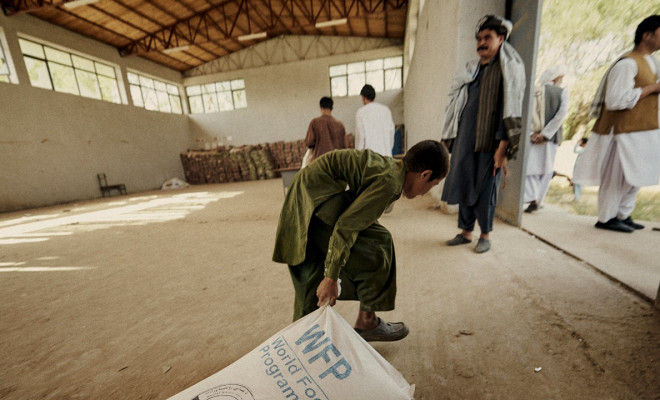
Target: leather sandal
column 384, row 332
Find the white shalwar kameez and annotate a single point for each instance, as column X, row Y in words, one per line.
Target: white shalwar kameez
column 541, row 157
column 621, row 163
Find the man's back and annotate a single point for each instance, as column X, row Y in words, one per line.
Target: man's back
column 374, row 128
column 325, row 133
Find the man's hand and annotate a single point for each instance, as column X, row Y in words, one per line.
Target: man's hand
column 537, row 138
column 327, row 292
column 500, row 158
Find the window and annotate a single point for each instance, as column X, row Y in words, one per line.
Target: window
column 217, row 96
column 154, row 95
column 6, row 69
column 54, row 69
column 383, row 74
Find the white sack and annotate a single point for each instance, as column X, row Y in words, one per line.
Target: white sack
column 319, row 357
column 174, row 183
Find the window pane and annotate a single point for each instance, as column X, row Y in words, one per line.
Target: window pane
column 89, row 86
column 4, row 66
column 222, row 86
column 171, row 89
column 336, row 70
column 146, row 82
column 393, row 79
column 210, row 103
column 136, row 95
column 240, row 100
column 237, row 84
column 374, row 65
column 109, row 89
column 163, row 102
column 193, row 90
column 375, row 79
column 196, row 105
column 209, row 88
column 393, row 62
column 225, row 101
column 64, row 79
column 355, row 67
column 83, row 63
column 31, row 49
column 355, row 84
column 338, row 86
column 160, row 86
column 57, row 56
column 106, row 70
column 133, row 79
column 150, row 99
column 175, row 102
column 38, row 72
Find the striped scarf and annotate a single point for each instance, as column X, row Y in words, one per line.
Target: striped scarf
column 490, row 93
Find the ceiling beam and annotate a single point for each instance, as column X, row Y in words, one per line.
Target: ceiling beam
column 195, row 30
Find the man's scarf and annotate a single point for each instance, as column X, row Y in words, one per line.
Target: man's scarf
column 513, row 79
column 599, row 99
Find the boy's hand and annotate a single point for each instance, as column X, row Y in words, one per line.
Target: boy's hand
column 327, row 292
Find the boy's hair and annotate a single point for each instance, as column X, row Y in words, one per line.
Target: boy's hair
column 428, row 154
column 326, row 102
column 369, row 92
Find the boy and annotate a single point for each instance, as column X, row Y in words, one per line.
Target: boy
column 328, row 230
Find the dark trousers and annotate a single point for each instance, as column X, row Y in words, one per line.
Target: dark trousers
column 369, row 275
column 483, row 210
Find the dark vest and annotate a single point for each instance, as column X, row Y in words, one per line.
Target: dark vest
column 552, row 104
column 642, row 117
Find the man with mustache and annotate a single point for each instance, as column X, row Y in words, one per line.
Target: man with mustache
column 482, row 127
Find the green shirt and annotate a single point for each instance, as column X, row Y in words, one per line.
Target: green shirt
column 320, row 189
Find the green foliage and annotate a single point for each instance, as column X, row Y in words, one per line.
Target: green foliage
column 587, row 36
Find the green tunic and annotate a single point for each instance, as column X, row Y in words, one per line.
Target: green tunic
column 331, row 211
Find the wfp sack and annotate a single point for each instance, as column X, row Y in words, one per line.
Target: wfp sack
column 318, row 357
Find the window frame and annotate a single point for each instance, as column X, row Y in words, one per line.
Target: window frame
column 154, row 90
column 347, row 79
column 98, row 73
column 5, row 55
column 206, row 98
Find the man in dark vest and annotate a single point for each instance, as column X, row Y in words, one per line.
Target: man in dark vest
column 550, row 108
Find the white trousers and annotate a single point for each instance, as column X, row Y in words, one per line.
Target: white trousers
column 536, row 187
column 616, row 197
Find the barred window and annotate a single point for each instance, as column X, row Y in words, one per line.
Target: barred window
column 382, row 73
column 65, row 72
column 217, row 96
column 154, row 94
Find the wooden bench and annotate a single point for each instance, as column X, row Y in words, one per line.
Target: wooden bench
column 107, row 189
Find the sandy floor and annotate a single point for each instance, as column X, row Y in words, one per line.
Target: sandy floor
column 141, row 296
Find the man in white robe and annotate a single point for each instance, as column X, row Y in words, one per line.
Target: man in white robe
column 551, row 107
column 623, row 152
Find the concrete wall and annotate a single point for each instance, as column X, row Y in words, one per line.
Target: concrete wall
column 282, row 99
column 52, row 145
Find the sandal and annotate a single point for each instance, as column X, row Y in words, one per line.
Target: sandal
column 385, row 332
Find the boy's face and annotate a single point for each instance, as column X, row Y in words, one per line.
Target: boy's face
column 418, row 183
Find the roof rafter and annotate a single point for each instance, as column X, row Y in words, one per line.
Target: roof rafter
column 195, row 30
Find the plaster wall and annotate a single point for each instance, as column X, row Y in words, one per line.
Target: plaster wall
column 282, row 99
column 53, row 144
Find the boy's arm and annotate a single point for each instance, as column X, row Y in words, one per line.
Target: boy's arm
column 363, row 212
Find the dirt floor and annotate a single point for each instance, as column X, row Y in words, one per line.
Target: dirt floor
column 141, row 296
